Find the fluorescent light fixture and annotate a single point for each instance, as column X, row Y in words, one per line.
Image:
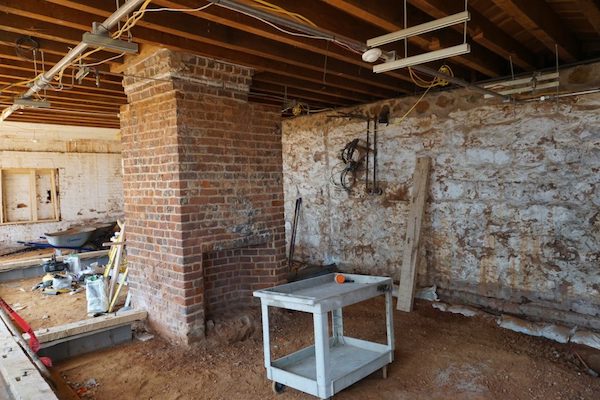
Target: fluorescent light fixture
column 525, row 85
column 523, row 81
column 372, row 55
column 527, row 89
column 100, row 40
column 32, row 103
column 423, row 58
column 420, row 29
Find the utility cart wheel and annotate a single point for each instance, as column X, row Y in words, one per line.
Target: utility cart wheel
column 278, row 387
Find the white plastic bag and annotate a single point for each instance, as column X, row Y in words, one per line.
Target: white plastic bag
column 95, row 293
column 427, row 293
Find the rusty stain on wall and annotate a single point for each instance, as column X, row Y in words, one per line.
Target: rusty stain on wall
column 513, row 204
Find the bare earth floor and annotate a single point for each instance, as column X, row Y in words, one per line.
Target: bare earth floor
column 42, row 310
column 438, row 356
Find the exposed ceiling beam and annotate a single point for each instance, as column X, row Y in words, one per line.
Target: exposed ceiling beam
column 591, row 12
column 293, row 93
column 70, row 94
column 304, row 67
column 14, row 70
column 51, row 47
column 380, row 13
column 481, row 31
column 16, row 117
column 220, row 41
column 245, row 23
column 119, row 99
column 540, row 20
column 311, row 87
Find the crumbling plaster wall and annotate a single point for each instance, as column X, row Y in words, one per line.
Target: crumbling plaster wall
column 513, row 202
column 89, row 173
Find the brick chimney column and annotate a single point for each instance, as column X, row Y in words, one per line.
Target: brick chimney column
column 203, row 190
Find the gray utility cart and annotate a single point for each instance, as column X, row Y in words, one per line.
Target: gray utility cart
column 335, row 362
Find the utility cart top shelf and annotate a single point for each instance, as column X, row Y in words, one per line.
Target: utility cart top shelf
column 323, row 293
column 333, row 362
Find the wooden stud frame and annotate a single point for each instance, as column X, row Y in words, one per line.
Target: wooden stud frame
column 32, row 173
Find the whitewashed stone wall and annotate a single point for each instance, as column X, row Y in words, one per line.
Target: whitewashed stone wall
column 513, row 211
column 89, row 173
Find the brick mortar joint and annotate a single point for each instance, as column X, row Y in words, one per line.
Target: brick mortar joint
column 172, row 76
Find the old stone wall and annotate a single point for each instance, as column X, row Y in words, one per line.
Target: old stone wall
column 512, row 216
column 88, row 165
column 203, row 190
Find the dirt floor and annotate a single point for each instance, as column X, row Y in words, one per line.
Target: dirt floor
column 438, row 356
column 42, row 310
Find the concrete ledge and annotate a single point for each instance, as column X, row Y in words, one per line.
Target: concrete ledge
column 72, row 346
column 90, row 325
column 23, row 380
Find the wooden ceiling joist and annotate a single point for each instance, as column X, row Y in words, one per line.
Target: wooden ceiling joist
column 541, row 21
column 379, row 13
column 170, row 28
column 288, row 67
column 89, row 83
column 482, row 32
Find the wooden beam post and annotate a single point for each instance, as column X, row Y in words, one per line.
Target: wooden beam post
column 410, row 256
column 54, row 195
column 33, row 195
column 1, row 198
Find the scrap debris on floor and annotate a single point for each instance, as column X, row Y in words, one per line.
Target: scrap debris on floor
column 67, row 291
column 438, row 356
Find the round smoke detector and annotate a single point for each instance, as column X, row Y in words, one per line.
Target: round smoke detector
column 372, row 55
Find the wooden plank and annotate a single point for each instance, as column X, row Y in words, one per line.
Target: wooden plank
column 1, row 198
column 89, row 325
column 591, row 11
column 53, row 195
column 538, row 18
column 33, row 211
column 9, row 266
column 410, row 256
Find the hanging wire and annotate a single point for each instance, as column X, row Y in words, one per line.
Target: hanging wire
column 405, row 26
column 465, row 24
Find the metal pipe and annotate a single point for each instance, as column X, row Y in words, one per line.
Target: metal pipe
column 309, row 30
column 357, row 45
column 75, row 52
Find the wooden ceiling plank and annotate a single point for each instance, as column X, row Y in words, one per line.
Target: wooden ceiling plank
column 24, row 73
column 591, row 12
column 36, row 120
column 291, row 93
column 261, row 63
column 15, row 91
column 120, row 99
column 52, row 47
column 380, row 13
column 278, row 100
column 482, row 32
column 160, row 29
column 338, row 22
column 32, row 112
column 70, row 104
column 540, row 20
column 311, row 87
column 44, row 30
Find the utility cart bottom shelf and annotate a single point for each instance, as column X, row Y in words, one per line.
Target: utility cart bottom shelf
column 349, row 362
